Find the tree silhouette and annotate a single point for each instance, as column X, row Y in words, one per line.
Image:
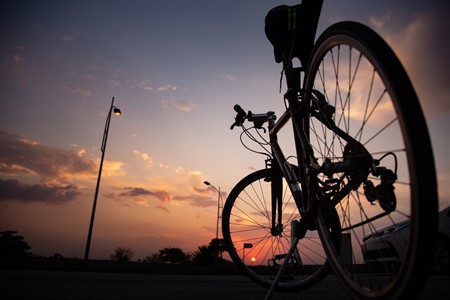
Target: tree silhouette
column 218, row 247
column 173, row 256
column 208, row 255
column 13, row 245
column 122, row 254
column 154, row 258
column 203, row 256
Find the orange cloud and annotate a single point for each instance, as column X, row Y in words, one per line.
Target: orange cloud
column 53, row 166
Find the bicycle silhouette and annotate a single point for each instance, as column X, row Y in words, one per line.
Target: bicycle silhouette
column 362, row 167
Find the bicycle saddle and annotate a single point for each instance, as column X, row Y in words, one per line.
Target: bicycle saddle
column 292, row 29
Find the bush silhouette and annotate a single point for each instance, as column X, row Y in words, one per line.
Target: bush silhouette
column 122, row 254
column 13, row 245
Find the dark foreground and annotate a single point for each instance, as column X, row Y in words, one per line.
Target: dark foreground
column 38, row 284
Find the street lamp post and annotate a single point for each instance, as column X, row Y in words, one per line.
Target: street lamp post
column 218, row 215
column 218, row 206
column 117, row 112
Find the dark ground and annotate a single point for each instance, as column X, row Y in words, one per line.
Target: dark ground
column 76, row 279
column 49, row 285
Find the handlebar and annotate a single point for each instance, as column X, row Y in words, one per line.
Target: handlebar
column 257, row 119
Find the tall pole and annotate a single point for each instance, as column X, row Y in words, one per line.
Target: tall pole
column 218, row 215
column 94, row 206
column 218, row 207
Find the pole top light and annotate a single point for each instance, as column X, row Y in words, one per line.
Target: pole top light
column 117, row 111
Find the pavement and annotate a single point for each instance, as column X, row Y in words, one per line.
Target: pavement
column 48, row 285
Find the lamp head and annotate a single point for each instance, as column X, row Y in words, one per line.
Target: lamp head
column 206, row 182
column 117, row 111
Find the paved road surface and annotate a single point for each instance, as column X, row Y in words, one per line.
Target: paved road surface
column 48, row 285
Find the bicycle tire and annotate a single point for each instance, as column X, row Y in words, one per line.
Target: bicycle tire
column 375, row 102
column 246, row 228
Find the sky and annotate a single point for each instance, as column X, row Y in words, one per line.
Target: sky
column 175, row 70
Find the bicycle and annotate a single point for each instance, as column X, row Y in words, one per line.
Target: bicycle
column 362, row 161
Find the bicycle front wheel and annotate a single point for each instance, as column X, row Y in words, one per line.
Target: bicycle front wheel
column 256, row 250
column 387, row 240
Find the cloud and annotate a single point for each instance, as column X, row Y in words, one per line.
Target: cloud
column 19, row 155
column 204, row 191
column 13, row 170
column 112, row 168
column 147, row 86
column 161, row 195
column 195, row 200
column 141, row 196
column 114, row 83
column 166, row 88
column 58, row 169
column 82, row 92
column 144, row 156
column 231, row 77
column 164, row 209
column 16, row 58
column 422, row 47
column 133, row 192
column 197, row 197
column 182, row 105
column 12, row 189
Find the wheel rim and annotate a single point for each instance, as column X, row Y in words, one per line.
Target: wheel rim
column 349, row 76
column 246, row 229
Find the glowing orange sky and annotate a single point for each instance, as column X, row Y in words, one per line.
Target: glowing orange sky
column 176, row 69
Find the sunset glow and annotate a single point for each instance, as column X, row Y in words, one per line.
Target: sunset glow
column 176, row 70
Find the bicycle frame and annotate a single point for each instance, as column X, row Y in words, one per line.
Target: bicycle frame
column 299, row 110
column 279, row 165
column 305, row 198
column 349, row 112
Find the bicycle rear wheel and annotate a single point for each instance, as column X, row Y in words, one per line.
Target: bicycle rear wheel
column 246, row 226
column 387, row 246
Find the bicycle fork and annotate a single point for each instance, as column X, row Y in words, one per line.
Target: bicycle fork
column 277, row 194
column 298, row 228
column 280, row 168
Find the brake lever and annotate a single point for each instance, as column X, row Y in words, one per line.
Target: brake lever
column 240, row 116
